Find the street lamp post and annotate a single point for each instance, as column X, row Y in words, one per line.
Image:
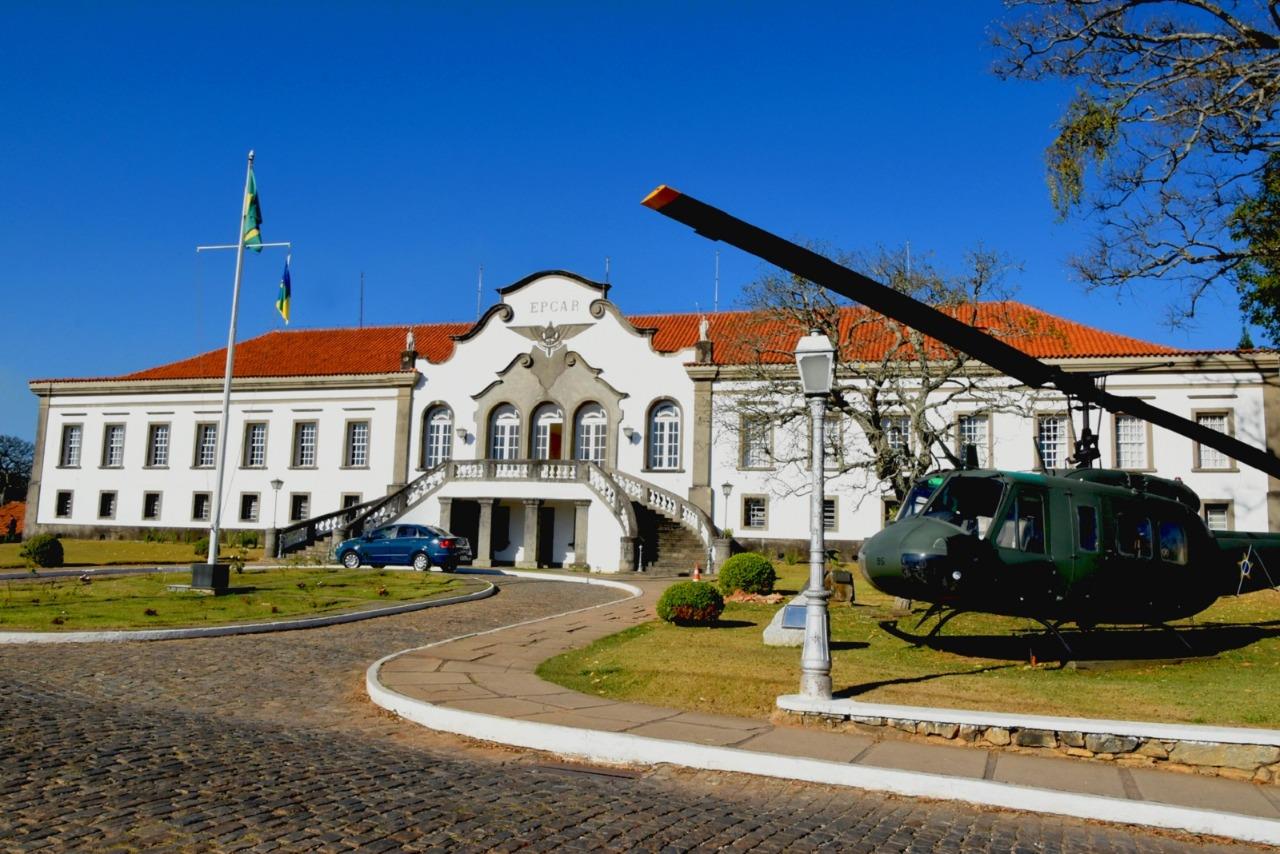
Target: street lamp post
column 815, row 359
column 725, row 489
column 275, row 509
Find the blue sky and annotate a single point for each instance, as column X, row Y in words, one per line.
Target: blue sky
column 414, row 142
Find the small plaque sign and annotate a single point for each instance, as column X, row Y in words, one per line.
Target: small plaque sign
column 793, row 616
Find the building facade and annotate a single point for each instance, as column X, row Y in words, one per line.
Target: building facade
column 556, row 430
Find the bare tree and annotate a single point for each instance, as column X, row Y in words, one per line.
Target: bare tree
column 894, row 385
column 16, row 458
column 1173, row 122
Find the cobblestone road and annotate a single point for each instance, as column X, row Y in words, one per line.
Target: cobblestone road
column 267, row 743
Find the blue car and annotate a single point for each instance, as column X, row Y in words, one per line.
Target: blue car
column 419, row 546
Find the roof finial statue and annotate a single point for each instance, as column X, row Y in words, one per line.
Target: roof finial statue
column 704, row 326
column 409, row 344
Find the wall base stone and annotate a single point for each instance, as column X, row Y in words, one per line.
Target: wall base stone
column 1258, row 763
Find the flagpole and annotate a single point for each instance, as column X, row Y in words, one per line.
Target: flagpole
column 226, row 380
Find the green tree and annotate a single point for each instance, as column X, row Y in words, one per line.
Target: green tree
column 1167, row 143
column 16, row 458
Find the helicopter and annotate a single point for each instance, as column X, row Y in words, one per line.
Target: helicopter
column 1084, row 545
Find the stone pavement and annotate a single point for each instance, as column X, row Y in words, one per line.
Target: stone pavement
column 493, row 674
column 268, row 743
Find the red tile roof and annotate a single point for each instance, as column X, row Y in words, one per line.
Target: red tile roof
column 15, row 510
column 738, row 336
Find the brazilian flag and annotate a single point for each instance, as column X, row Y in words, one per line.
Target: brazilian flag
column 252, row 215
column 282, row 301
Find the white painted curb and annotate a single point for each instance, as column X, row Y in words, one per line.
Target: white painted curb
column 238, row 629
column 1141, row 729
column 627, row 749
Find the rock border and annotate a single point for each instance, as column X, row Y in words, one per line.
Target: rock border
column 1235, row 753
column 120, row 636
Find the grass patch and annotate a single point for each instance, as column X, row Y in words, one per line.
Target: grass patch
column 144, row 601
column 980, row 662
column 117, row 553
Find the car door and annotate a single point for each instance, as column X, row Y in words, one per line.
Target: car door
column 378, row 546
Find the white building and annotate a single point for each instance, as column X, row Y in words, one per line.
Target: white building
column 555, row 430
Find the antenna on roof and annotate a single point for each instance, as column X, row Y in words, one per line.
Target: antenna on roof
column 715, row 294
column 362, row 299
column 479, row 289
column 606, row 269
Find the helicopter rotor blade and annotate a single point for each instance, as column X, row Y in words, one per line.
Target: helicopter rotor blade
column 715, row 224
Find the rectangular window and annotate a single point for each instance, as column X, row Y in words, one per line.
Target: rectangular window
column 357, row 445
column 897, row 432
column 113, row 446
column 206, row 445
column 1212, row 458
column 1217, row 515
column 255, row 445
column 106, row 505
column 350, row 499
column 1051, row 440
column 1131, row 442
column 72, row 434
column 756, row 445
column 62, row 505
column 973, row 430
column 248, row 507
column 158, row 445
column 304, row 444
column 755, row 511
column 1087, row 525
column 1023, row 527
column 829, row 515
column 299, row 506
column 150, row 505
column 200, row 506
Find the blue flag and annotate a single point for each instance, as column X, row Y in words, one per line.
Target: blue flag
column 282, row 301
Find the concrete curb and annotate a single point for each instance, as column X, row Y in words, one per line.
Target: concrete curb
column 627, row 749
column 1139, row 729
column 237, row 629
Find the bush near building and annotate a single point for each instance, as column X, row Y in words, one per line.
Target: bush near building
column 43, row 550
column 691, row 603
column 750, row 572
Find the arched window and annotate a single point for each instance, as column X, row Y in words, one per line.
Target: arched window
column 437, row 436
column 504, row 433
column 548, row 432
column 590, row 433
column 664, row 436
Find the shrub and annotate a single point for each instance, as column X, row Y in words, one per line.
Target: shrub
column 691, row 603
column 201, row 547
column 43, row 550
column 247, row 539
column 750, row 572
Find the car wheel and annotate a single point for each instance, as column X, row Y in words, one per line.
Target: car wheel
column 421, row 562
column 351, row 560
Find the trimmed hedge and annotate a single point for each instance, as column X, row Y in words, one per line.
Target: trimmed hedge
column 44, row 550
column 691, row 603
column 750, row 572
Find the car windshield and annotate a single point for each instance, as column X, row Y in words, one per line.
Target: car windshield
column 919, row 496
column 967, row 502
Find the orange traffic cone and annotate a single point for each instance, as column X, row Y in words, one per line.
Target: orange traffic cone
column 697, row 571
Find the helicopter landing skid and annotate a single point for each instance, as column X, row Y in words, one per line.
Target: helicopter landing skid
column 1171, row 630
column 1052, row 628
column 948, row 616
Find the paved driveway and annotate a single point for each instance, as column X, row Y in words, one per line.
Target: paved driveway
column 268, row 743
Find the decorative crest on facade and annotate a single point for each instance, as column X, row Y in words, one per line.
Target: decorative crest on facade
column 551, row 337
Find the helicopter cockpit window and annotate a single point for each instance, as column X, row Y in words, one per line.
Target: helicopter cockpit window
column 967, row 502
column 1088, row 519
column 918, row 497
column 1023, row 526
column 1173, row 543
column 1134, row 536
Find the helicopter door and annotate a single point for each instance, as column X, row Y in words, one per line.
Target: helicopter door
column 1023, row 546
column 1085, row 546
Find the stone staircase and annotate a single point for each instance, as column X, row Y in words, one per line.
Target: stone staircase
column 668, row 547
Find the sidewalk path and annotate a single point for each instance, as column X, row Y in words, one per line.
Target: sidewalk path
column 484, row 686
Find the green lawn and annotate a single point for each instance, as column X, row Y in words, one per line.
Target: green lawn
column 116, row 553
column 980, row 662
column 144, row 601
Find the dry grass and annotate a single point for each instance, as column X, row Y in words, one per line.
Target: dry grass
column 980, row 662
